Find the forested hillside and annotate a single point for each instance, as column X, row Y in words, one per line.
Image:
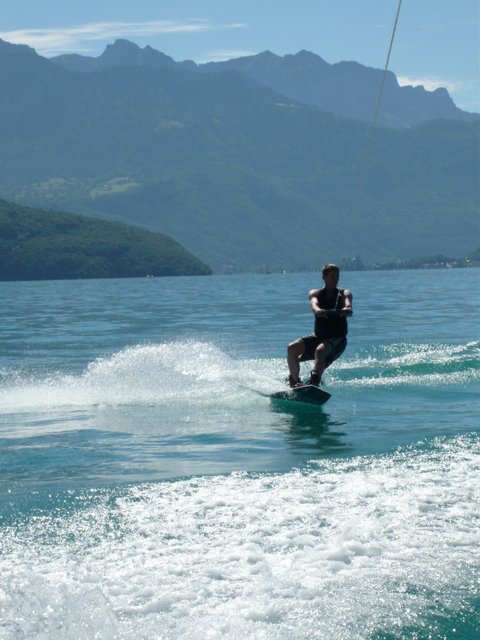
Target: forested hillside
column 40, row 245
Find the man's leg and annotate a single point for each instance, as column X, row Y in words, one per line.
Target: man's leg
column 295, row 351
column 322, row 353
column 326, row 353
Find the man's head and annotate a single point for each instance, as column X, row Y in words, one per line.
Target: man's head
column 330, row 274
column 329, row 267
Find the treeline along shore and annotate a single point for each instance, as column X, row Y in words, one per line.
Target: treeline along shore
column 46, row 245
column 438, row 261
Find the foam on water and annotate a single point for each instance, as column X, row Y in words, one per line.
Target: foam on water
column 198, row 372
column 158, row 373
column 410, row 365
column 341, row 550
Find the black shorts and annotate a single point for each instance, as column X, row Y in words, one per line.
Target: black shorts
column 311, row 343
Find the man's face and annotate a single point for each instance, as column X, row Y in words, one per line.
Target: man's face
column 331, row 278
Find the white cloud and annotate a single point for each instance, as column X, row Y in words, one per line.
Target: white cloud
column 237, row 25
column 429, row 82
column 225, row 54
column 73, row 39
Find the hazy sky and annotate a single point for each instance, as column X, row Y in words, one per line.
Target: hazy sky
column 437, row 41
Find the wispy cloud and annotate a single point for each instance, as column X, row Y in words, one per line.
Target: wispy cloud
column 430, row 83
column 74, row 39
column 225, row 54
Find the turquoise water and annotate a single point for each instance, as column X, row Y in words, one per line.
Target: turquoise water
column 149, row 489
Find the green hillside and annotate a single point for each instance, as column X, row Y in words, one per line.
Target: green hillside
column 39, row 245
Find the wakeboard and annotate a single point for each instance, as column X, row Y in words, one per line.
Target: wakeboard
column 308, row 393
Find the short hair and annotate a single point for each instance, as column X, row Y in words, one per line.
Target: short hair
column 329, row 267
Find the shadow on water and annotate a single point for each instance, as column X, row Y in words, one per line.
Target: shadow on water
column 309, row 430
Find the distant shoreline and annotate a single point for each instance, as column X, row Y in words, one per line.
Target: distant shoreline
column 433, row 262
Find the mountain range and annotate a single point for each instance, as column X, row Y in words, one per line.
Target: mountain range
column 246, row 174
column 348, row 89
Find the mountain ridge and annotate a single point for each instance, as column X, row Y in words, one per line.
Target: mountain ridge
column 346, row 88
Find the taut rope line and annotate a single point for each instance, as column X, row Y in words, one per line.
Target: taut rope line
column 377, row 110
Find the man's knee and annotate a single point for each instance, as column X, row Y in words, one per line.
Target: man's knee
column 323, row 351
column 296, row 348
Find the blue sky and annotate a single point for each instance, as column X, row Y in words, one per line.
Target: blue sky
column 437, row 41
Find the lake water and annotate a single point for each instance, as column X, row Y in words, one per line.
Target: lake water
column 150, row 490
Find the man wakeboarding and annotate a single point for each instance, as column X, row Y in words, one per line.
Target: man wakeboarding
column 331, row 307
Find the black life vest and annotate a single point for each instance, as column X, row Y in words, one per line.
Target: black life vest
column 335, row 326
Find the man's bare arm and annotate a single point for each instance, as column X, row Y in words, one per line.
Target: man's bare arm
column 347, row 308
column 345, row 312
